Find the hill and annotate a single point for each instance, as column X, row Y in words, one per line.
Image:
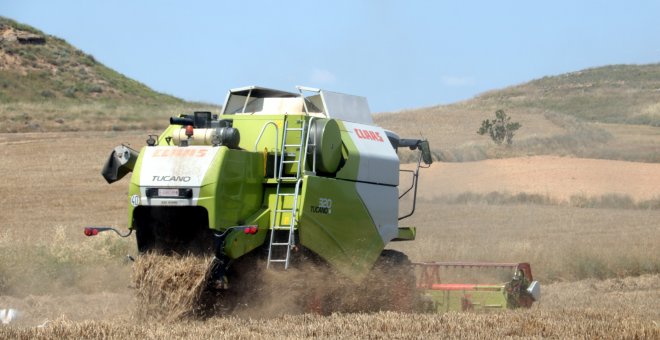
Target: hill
column 48, row 85
column 610, row 112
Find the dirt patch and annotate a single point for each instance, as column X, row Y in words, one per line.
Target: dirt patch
column 557, row 177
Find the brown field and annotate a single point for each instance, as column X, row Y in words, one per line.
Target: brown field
column 556, row 177
column 599, row 268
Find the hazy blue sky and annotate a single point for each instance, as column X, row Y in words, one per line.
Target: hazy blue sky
column 399, row 54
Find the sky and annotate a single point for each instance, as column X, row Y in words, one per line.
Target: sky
column 398, row 54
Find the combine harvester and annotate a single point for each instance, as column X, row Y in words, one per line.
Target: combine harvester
column 288, row 179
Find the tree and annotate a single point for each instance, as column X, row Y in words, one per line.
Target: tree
column 500, row 129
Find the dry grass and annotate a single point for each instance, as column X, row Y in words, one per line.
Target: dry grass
column 610, row 309
column 608, row 201
column 564, row 323
column 562, row 243
column 451, row 131
column 52, row 188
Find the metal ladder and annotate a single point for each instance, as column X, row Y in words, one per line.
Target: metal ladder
column 282, row 236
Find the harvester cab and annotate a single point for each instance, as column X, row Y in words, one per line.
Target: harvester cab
column 283, row 177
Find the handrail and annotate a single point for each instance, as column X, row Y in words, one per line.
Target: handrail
column 307, row 137
column 277, row 134
column 414, row 184
column 296, row 191
column 308, row 130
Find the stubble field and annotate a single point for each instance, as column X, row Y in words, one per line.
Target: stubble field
column 598, row 266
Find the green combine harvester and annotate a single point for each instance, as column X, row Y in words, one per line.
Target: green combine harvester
column 285, row 179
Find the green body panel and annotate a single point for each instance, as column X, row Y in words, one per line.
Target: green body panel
column 238, row 243
column 232, row 189
column 286, row 203
column 482, row 297
column 250, row 126
column 406, row 234
column 344, row 235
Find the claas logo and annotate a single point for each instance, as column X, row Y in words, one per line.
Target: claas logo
column 179, row 152
column 368, row 134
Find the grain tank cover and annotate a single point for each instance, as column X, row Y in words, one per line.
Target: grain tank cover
column 251, row 99
column 321, row 103
column 340, row 106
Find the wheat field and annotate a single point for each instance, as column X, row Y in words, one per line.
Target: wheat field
column 599, row 267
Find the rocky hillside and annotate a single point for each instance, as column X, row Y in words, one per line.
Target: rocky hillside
column 48, row 85
column 35, row 66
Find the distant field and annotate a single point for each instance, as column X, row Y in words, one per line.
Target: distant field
column 598, row 267
column 558, row 178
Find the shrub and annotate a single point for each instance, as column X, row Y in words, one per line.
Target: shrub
column 47, row 94
column 500, row 129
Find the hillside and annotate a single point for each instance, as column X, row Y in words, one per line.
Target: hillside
column 48, row 85
column 628, row 94
column 610, row 112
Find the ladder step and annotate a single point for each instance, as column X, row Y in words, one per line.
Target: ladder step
column 292, row 194
column 294, row 129
column 277, row 260
column 281, row 228
column 280, row 244
column 284, row 210
column 289, row 162
column 291, row 145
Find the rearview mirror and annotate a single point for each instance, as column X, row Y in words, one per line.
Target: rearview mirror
column 121, row 162
column 426, row 152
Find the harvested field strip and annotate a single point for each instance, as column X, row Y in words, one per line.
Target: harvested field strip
column 608, row 201
column 568, row 323
column 556, row 177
